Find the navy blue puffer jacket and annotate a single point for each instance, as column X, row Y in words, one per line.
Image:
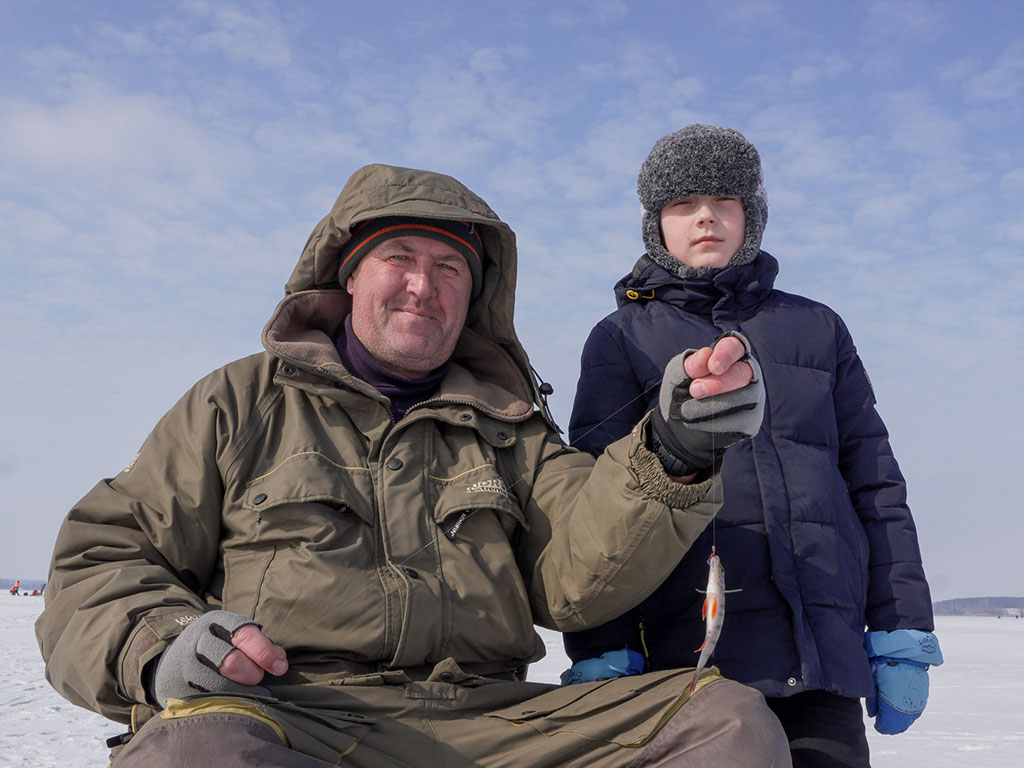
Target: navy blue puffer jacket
column 815, row 528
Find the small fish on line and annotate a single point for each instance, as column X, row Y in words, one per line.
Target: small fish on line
column 713, row 613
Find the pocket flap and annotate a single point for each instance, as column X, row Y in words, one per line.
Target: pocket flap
column 480, row 487
column 312, row 477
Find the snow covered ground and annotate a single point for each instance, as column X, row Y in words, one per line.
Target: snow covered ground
column 975, row 716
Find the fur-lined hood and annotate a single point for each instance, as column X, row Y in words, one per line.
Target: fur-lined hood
column 488, row 346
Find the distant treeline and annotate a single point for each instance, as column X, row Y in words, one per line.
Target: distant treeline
column 978, row 606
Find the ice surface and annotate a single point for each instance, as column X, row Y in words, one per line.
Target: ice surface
column 975, row 715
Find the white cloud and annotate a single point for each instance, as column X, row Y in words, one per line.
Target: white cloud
column 594, row 13
column 297, row 138
column 256, row 34
column 815, row 68
column 959, row 70
column 8, row 466
column 1002, row 81
column 753, row 13
column 1013, row 231
column 133, row 41
column 109, row 139
column 488, row 61
column 886, row 210
column 921, row 127
column 33, row 227
column 478, row 116
column 801, row 149
column 51, row 69
column 918, row 20
column 1013, row 179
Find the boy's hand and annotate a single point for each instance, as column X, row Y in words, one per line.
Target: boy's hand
column 900, row 660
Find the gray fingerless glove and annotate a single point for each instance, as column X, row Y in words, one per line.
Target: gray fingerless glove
column 189, row 665
column 689, row 435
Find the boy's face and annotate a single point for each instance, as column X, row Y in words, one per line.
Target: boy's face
column 704, row 230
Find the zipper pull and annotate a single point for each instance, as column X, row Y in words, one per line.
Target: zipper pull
column 452, row 532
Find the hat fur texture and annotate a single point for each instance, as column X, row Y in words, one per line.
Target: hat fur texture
column 702, row 160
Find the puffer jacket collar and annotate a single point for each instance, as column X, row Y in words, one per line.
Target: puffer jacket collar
column 743, row 287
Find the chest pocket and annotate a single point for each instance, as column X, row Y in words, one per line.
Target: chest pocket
column 309, row 478
column 303, row 518
column 464, row 497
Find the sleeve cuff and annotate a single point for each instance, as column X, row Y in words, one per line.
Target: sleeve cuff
column 151, row 636
column 655, row 483
column 910, row 644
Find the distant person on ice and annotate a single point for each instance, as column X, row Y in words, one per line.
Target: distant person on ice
column 814, row 529
column 335, row 552
column 15, row 587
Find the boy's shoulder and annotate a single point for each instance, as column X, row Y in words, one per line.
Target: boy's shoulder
column 785, row 300
column 799, row 300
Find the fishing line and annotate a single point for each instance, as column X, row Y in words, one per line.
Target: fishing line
column 714, row 520
column 398, row 564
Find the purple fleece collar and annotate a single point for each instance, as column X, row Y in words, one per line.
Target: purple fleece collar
column 404, row 393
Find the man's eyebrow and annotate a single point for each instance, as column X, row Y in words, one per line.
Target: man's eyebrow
column 400, row 244
column 394, row 242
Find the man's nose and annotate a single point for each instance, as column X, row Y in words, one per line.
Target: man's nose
column 420, row 282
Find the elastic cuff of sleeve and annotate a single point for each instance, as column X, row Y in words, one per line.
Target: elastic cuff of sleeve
column 904, row 644
column 656, row 484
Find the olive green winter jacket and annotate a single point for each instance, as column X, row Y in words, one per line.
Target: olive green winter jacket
column 280, row 488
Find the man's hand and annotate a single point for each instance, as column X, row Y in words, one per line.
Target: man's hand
column 254, row 654
column 710, row 398
column 220, row 652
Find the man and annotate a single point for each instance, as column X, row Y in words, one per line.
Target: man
column 334, row 552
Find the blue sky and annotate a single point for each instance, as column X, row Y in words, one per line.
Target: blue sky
column 161, row 165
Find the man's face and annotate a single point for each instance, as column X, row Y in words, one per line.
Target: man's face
column 409, row 301
column 704, row 230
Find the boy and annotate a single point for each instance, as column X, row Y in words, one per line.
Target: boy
column 814, row 530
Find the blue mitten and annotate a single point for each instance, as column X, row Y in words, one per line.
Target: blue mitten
column 899, row 665
column 610, row 664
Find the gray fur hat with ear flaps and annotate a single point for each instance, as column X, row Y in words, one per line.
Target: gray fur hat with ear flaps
column 701, row 160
